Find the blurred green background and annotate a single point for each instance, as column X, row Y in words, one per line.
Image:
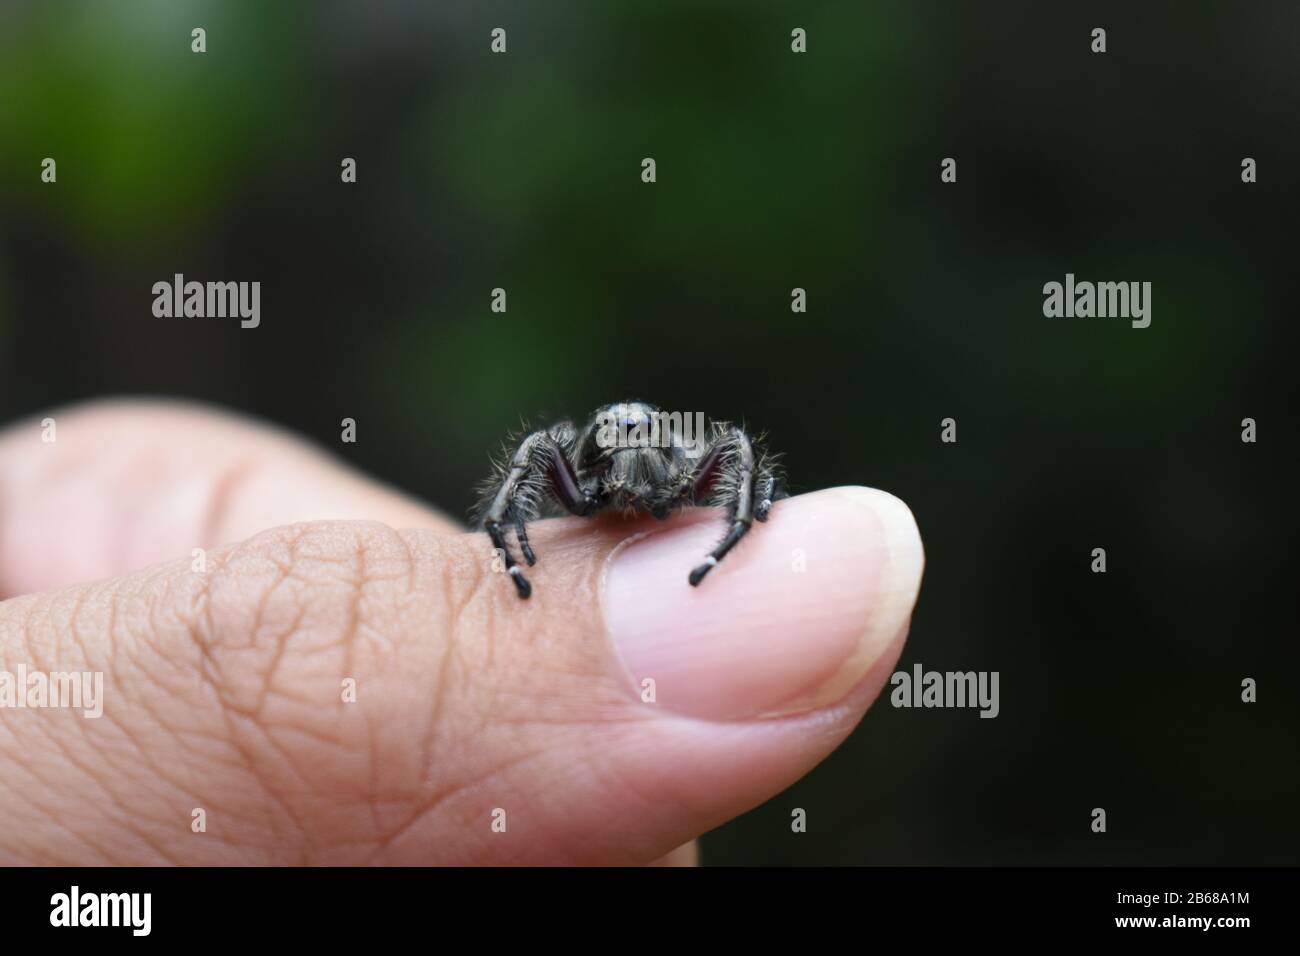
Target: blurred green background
column 775, row 170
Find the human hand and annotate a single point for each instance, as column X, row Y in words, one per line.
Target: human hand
column 224, row 689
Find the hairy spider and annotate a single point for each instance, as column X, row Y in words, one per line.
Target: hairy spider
column 634, row 458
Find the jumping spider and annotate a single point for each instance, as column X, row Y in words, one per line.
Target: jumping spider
column 630, row 457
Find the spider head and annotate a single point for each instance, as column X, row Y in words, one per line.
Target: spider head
column 629, row 443
column 625, row 427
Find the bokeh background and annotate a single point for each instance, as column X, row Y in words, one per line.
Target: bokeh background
column 775, row 170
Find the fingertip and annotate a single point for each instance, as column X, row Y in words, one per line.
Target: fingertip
column 791, row 620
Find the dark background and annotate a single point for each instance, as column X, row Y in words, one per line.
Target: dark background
column 775, row 170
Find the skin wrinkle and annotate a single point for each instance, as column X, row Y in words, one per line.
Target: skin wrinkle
column 285, row 571
column 405, row 537
column 356, row 624
column 350, row 630
column 74, row 627
column 251, row 719
column 124, row 816
column 434, row 720
column 207, row 667
column 280, row 749
column 144, row 700
column 47, row 810
column 568, row 550
column 250, row 764
column 159, row 592
column 279, row 693
column 350, row 637
column 281, row 641
column 113, row 597
column 175, row 611
column 438, row 800
column 201, row 630
column 27, row 631
column 485, row 714
column 626, row 782
column 157, row 771
column 314, row 735
column 16, row 763
column 259, row 612
column 372, row 771
column 453, row 613
column 372, row 762
column 461, row 596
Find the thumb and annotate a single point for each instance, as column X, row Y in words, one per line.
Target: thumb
column 657, row 711
column 339, row 692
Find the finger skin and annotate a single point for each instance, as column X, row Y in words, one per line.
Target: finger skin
column 130, row 483
column 688, row 854
column 223, row 693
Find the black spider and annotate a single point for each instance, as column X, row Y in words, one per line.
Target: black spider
column 635, row 458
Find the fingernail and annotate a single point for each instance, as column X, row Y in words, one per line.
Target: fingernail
column 789, row 621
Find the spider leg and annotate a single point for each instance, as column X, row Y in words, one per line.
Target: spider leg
column 521, row 533
column 707, row 473
column 766, row 491
column 537, row 466
column 568, row 491
column 516, row 498
column 731, row 475
column 687, row 485
column 493, row 528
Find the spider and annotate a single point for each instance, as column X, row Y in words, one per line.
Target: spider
column 633, row 458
